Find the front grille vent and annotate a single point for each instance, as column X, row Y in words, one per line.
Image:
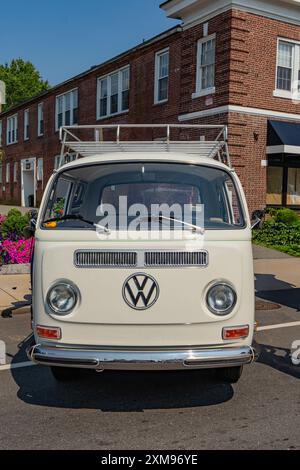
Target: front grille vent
column 176, row 258
column 102, row 259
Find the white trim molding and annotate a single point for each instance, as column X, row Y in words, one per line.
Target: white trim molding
column 239, row 110
column 192, row 12
column 274, row 149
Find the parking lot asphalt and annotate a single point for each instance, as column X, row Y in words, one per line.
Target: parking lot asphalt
column 166, row 410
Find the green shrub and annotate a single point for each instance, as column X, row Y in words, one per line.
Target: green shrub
column 277, row 233
column 285, row 216
column 12, row 228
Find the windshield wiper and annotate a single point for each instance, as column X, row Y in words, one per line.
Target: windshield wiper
column 77, row 217
column 161, row 218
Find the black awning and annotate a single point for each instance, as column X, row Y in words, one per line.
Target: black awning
column 283, row 134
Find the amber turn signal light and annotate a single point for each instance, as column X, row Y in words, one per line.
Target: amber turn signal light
column 237, row 332
column 48, row 333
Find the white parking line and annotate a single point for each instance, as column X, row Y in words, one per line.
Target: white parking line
column 18, row 365
column 278, row 326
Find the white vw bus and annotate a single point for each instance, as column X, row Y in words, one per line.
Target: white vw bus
column 143, row 257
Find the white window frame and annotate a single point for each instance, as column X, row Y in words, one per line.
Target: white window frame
column 7, row 173
column 15, row 172
column 12, row 126
column 157, row 78
column 40, row 119
column 293, row 93
column 120, row 91
column 1, row 132
column 74, row 104
column 40, row 169
column 26, row 124
column 199, row 90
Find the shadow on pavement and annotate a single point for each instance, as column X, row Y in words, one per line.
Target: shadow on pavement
column 279, row 359
column 119, row 391
column 8, row 312
column 274, row 290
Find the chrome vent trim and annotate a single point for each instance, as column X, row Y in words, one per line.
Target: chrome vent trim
column 176, row 258
column 105, row 259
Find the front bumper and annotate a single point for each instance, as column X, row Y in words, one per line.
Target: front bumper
column 120, row 359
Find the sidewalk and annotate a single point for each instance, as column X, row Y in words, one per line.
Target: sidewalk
column 15, row 294
column 5, row 209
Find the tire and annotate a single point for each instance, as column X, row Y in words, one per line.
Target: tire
column 230, row 374
column 65, row 374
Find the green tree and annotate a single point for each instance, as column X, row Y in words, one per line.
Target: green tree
column 22, row 80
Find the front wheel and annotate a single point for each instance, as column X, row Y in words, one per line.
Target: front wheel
column 65, row 374
column 229, row 374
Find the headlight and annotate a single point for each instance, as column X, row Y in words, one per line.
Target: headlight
column 62, row 298
column 221, row 299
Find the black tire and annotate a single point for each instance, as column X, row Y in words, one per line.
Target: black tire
column 230, row 374
column 65, row 374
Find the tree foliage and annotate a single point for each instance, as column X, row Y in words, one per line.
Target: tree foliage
column 22, row 80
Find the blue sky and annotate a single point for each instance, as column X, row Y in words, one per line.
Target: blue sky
column 65, row 37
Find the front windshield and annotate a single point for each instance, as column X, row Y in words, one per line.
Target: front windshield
column 127, row 192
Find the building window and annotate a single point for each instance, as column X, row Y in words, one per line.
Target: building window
column 15, row 172
column 288, row 69
column 41, row 119
column 7, row 173
column 161, row 76
column 113, row 93
column 12, row 130
column 274, row 186
column 1, row 128
column 26, row 124
column 66, row 109
column 40, row 170
column 293, row 187
column 206, row 62
column 68, row 158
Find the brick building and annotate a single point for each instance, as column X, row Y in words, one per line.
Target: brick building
column 234, row 62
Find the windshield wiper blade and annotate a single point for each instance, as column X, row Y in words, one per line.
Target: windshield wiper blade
column 68, row 217
column 77, row 217
column 161, row 218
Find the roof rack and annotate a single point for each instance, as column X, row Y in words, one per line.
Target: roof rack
column 86, row 141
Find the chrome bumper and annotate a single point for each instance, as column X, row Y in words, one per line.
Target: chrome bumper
column 142, row 360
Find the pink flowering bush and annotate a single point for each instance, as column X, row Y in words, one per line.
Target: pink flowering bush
column 14, row 249
column 16, row 252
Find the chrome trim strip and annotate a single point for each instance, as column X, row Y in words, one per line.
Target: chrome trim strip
column 142, row 360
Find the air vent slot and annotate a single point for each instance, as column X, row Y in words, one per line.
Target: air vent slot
column 105, row 259
column 176, row 258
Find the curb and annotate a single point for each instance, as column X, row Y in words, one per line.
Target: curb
column 9, row 269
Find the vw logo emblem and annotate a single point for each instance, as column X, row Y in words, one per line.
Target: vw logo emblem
column 140, row 291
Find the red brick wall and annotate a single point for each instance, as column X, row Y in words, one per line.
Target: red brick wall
column 221, row 26
column 253, row 61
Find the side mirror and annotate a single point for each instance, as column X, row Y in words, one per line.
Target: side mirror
column 29, row 231
column 33, row 213
column 256, row 218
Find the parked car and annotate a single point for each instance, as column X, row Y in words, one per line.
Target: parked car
column 151, row 292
